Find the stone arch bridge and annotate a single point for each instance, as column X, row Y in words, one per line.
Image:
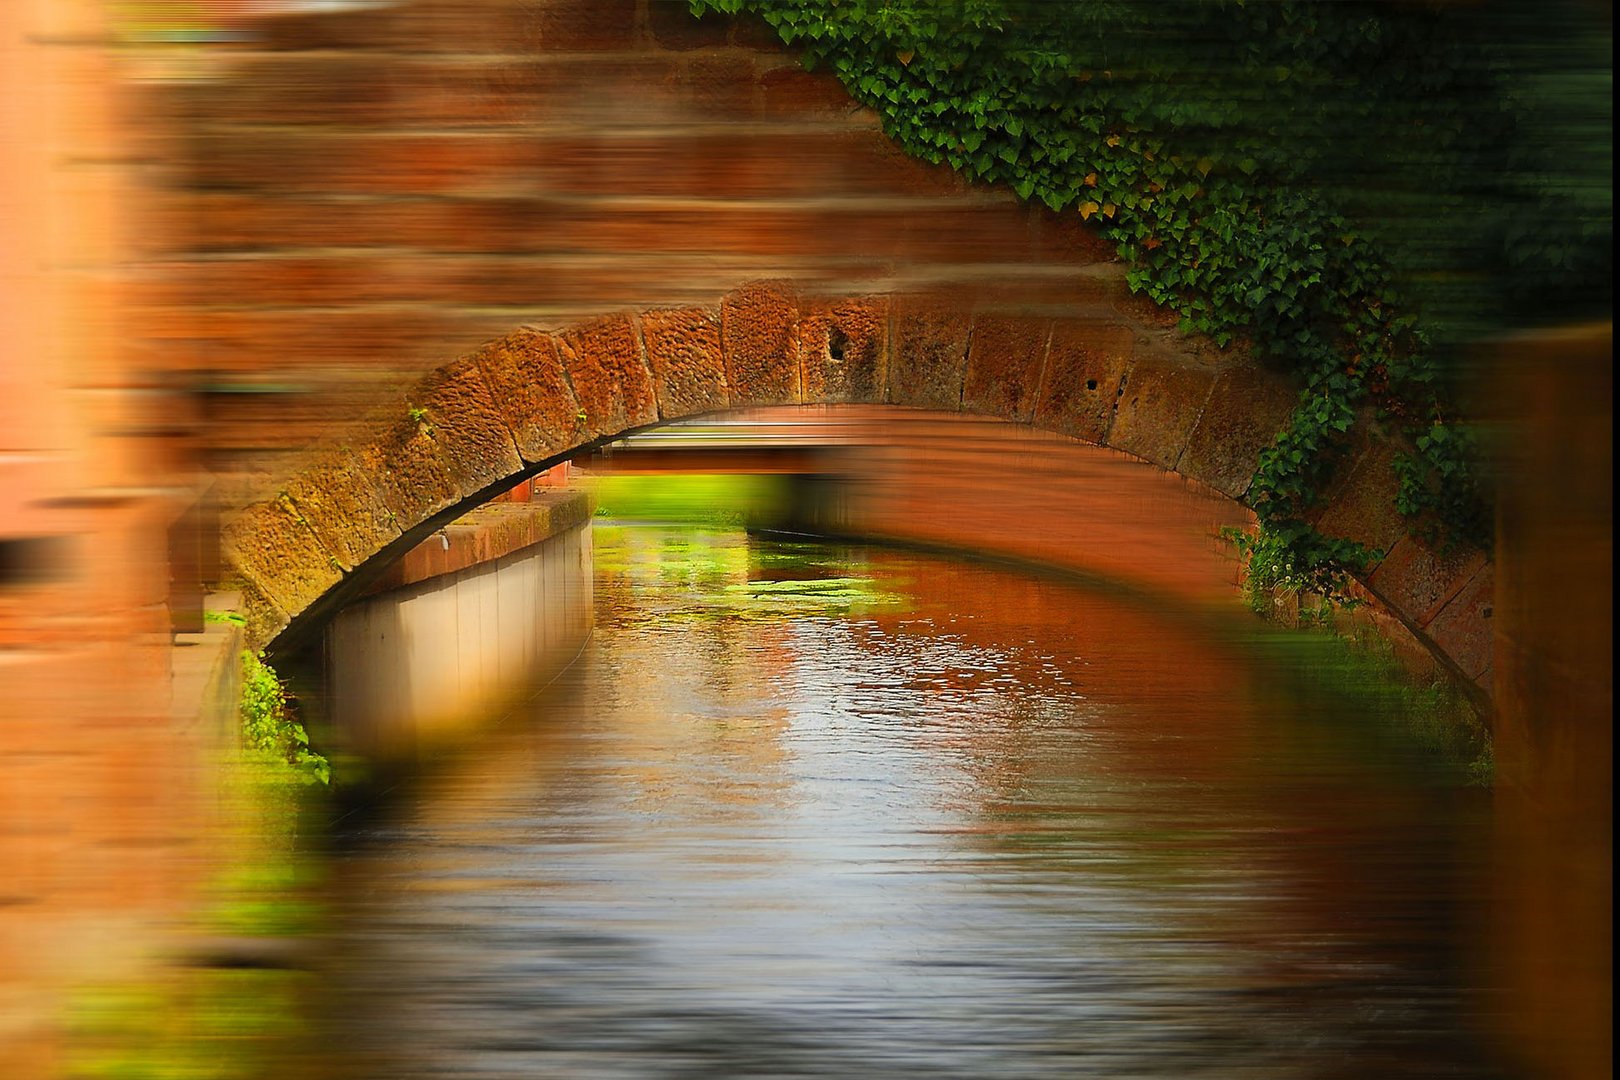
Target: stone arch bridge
column 524, row 401
column 354, row 197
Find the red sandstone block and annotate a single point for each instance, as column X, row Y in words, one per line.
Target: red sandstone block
column 672, row 26
column 974, row 233
column 1067, row 237
column 525, row 373
column 773, row 229
column 466, row 425
column 299, row 280
column 1418, row 581
column 1360, row 504
column 343, row 162
column 1160, row 404
column 1077, row 292
column 757, row 331
column 302, row 88
column 788, row 90
column 843, row 347
column 930, row 350
column 609, row 375
column 687, row 360
column 1006, row 356
column 586, row 24
column 369, row 27
column 610, row 89
column 1242, row 417
column 413, row 479
column 1465, row 628
column 272, row 547
column 1085, row 367
column 721, row 83
column 469, row 26
column 753, row 32
column 710, row 164
column 340, row 503
column 465, row 92
column 203, row 222
column 287, row 345
column 379, row 91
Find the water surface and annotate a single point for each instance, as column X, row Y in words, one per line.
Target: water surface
column 806, row 810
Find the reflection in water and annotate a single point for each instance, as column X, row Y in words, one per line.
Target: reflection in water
column 925, row 819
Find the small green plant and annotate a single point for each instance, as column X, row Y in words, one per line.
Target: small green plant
column 269, row 725
column 1306, row 564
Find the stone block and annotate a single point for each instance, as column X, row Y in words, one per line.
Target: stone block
column 1464, row 628
column 466, row 425
column 311, row 160
column 475, row 26
column 789, row 90
column 340, row 503
column 273, row 548
column 687, row 362
column 1419, row 581
column 525, row 376
column 1361, row 506
column 1246, row 409
column 566, row 509
column 672, row 26
column 929, row 360
column 1158, row 408
column 586, row 24
column 320, row 88
column 1085, row 366
column 721, row 84
column 411, row 476
column 362, row 28
column 843, row 348
column 609, row 376
column 758, row 333
column 1005, row 359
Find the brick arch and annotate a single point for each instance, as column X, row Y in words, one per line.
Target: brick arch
column 522, row 402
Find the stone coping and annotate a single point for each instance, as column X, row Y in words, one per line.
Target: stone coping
column 490, row 532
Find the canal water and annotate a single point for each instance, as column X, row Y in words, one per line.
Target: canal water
column 817, row 810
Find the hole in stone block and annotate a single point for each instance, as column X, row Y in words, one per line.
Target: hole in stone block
column 837, row 342
column 1091, row 384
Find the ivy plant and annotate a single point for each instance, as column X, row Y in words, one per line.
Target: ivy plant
column 1260, row 168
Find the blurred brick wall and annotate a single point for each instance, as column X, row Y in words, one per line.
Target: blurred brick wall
column 102, row 801
column 369, row 193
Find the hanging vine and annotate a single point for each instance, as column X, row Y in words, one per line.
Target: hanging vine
column 1203, row 139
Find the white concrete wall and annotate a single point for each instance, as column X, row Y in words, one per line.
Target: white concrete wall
column 411, row 666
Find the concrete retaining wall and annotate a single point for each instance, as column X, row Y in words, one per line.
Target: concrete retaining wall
column 415, row 663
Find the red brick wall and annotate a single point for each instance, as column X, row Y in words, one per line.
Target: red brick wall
column 367, row 194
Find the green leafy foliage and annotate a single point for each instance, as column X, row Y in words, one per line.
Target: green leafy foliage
column 269, row 725
column 1300, row 561
column 1298, row 178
